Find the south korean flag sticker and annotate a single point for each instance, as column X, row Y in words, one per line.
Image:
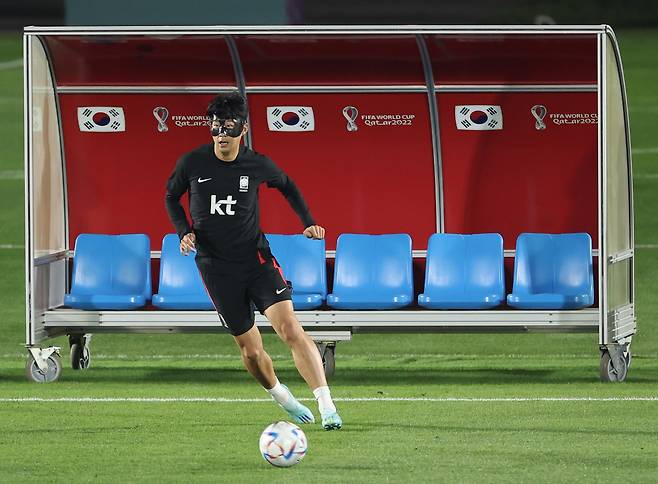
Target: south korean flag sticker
column 290, row 118
column 101, row 119
column 479, row 117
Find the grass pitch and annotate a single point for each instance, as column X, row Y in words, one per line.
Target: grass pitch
column 483, row 419
column 497, row 408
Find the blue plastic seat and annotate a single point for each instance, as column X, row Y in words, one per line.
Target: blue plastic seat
column 304, row 264
column 110, row 272
column 464, row 272
column 553, row 272
column 372, row 272
column 181, row 286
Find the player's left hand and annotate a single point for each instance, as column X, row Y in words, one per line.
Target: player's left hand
column 314, row 232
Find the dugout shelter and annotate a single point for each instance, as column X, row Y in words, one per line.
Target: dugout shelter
column 413, row 130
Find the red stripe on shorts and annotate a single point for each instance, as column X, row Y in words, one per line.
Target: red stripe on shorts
column 277, row 266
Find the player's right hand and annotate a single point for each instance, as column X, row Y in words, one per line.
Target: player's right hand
column 188, row 243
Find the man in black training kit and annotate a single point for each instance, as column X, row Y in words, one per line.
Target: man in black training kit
column 234, row 257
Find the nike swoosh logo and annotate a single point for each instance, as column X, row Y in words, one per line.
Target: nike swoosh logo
column 201, row 180
column 279, row 291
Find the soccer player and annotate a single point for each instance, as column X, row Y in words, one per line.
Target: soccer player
column 233, row 255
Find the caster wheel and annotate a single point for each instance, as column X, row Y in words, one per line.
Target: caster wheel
column 611, row 374
column 80, row 356
column 34, row 373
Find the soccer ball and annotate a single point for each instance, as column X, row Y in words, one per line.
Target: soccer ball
column 283, row 444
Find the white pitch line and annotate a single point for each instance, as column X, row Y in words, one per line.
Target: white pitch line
column 12, row 64
column 643, row 109
column 339, row 399
column 359, row 356
column 362, row 355
column 646, row 246
column 11, row 174
column 497, row 399
column 11, row 246
column 645, row 151
column 342, row 356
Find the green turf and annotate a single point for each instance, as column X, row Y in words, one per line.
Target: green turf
column 382, row 441
column 11, row 106
column 537, row 441
column 444, row 442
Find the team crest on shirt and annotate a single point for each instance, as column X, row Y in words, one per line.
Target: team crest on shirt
column 244, row 183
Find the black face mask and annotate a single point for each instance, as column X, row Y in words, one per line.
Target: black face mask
column 222, row 130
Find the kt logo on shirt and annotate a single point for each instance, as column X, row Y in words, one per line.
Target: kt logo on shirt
column 216, row 205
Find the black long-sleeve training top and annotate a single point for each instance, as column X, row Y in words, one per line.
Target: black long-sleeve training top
column 223, row 200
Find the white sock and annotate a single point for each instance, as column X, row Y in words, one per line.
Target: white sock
column 282, row 396
column 323, row 396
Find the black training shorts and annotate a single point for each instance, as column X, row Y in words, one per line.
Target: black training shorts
column 232, row 286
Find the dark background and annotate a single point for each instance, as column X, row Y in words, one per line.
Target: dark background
column 16, row 14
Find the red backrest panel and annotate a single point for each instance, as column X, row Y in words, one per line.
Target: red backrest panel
column 116, row 181
column 377, row 179
column 521, row 179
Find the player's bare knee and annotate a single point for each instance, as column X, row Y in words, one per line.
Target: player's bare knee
column 291, row 333
column 253, row 354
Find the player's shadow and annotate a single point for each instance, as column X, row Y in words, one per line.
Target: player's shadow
column 166, row 375
column 343, row 377
column 470, row 376
column 212, row 372
column 604, row 432
column 140, row 375
column 346, row 377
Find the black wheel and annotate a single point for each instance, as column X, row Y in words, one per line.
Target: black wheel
column 34, row 373
column 328, row 354
column 609, row 373
column 80, row 356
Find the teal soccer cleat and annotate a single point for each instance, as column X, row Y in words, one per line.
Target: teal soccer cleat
column 297, row 412
column 300, row 414
column 332, row 421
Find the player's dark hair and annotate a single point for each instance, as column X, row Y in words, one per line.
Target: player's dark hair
column 228, row 106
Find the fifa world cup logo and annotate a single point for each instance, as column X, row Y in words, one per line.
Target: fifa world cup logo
column 539, row 113
column 161, row 114
column 350, row 113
